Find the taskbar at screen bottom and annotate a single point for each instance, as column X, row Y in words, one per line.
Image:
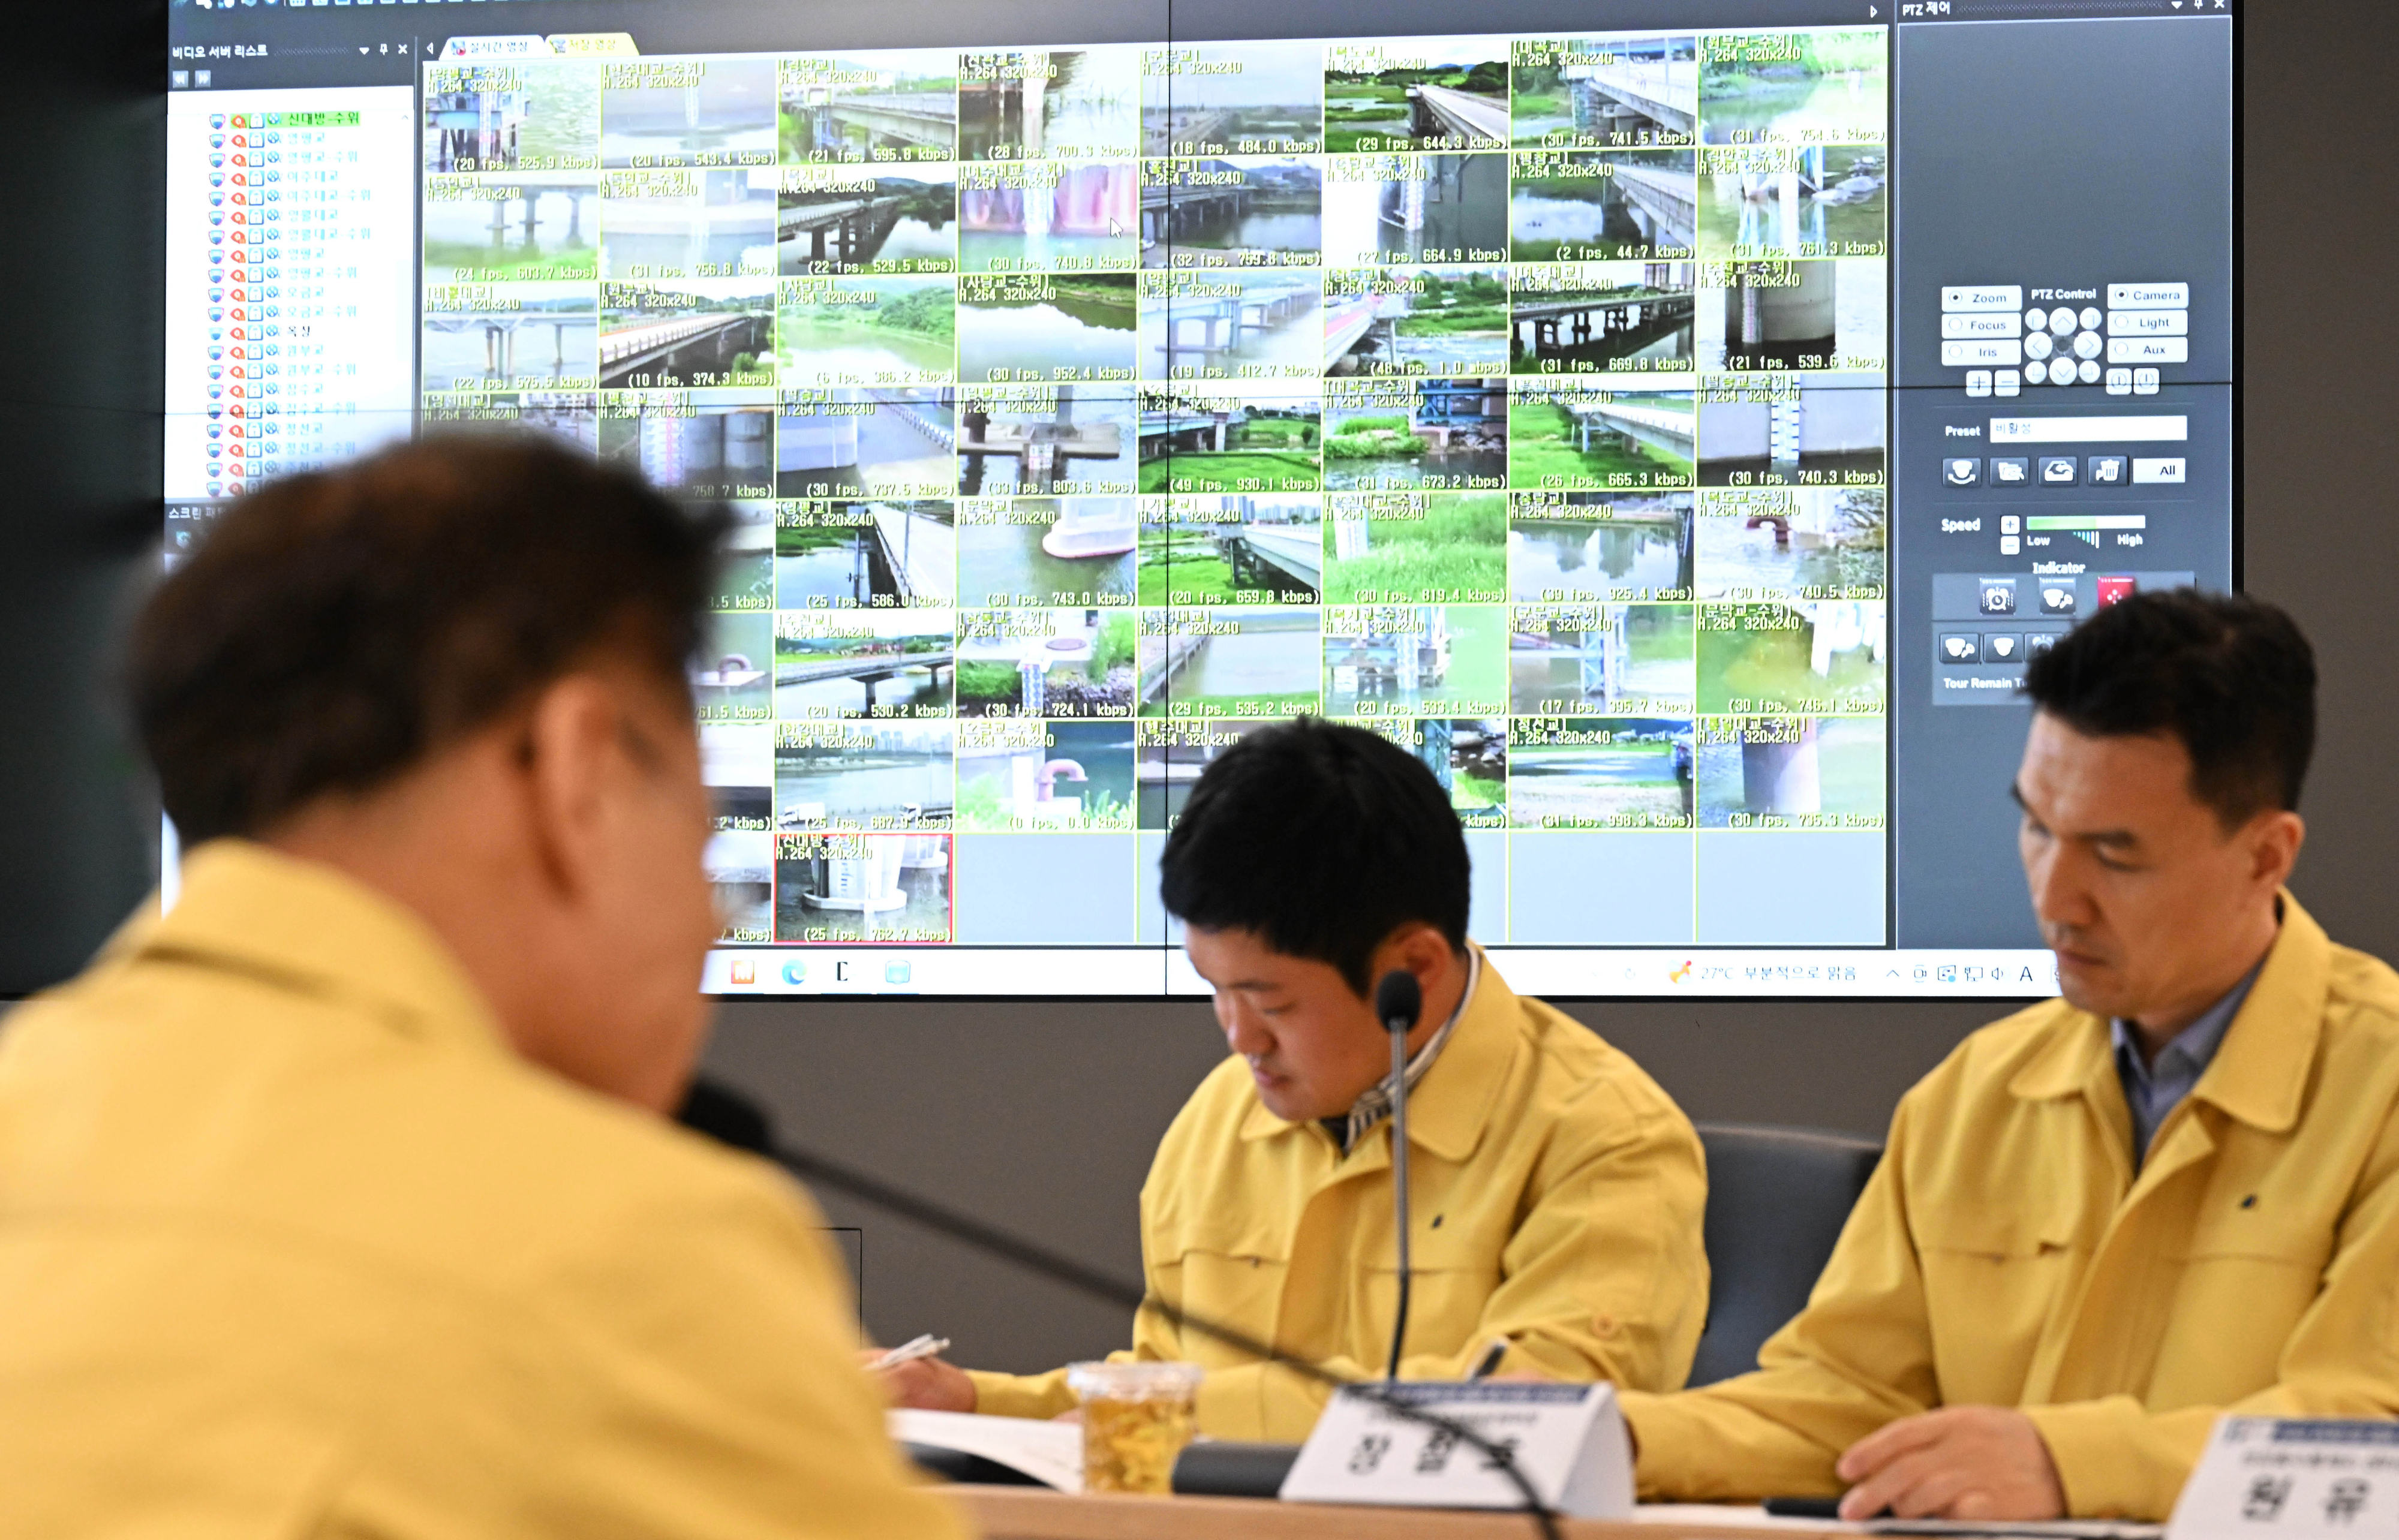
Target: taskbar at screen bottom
column 1565, row 973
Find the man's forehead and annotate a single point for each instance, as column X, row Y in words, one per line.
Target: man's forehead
column 2122, row 781
column 1241, row 959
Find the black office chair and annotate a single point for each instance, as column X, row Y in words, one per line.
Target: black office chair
column 1777, row 1200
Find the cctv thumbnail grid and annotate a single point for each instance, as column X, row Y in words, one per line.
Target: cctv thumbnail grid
column 1082, row 408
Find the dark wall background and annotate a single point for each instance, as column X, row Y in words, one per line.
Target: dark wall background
column 83, row 295
column 1041, row 1117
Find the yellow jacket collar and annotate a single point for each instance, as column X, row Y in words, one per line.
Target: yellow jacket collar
column 2259, row 1075
column 1451, row 1106
column 309, row 928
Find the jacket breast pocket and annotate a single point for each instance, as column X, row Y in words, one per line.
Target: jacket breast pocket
column 1991, row 1280
column 2246, row 1280
column 1235, row 1289
column 1447, row 1295
column 1995, row 1231
column 2263, row 1234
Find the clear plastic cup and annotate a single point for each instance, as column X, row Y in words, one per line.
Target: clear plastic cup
column 1136, row 1419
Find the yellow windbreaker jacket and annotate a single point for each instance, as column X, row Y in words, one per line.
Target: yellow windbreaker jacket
column 2006, row 1254
column 1557, row 1195
column 291, row 1243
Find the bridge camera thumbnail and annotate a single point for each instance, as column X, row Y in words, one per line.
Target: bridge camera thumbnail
column 707, row 331
column 1417, row 93
column 1222, row 98
column 884, row 105
column 659, row 114
column 1606, row 92
column 847, row 219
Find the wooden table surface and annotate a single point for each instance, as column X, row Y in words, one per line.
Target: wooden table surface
column 1036, row 1513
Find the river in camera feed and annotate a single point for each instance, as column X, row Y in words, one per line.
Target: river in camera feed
column 1453, row 352
column 1593, row 766
column 734, row 251
column 831, row 350
column 892, row 454
column 857, row 795
column 1554, row 561
column 1465, row 210
column 1464, row 468
column 1732, row 557
column 1801, row 108
column 1043, row 336
column 458, row 348
column 836, row 567
column 1291, row 348
column 1105, row 750
column 1258, row 230
column 1252, row 665
column 1535, row 219
column 836, row 572
column 911, row 694
column 1004, row 564
column 908, row 238
column 1611, row 354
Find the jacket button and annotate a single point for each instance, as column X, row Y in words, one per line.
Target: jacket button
column 1603, row 1325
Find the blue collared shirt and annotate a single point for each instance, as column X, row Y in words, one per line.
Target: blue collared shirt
column 2153, row 1090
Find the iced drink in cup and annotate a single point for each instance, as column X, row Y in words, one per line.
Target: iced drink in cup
column 1136, row 1419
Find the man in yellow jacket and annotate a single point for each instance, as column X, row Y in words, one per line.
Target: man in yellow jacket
column 338, row 1201
column 2106, row 1221
column 1556, row 1191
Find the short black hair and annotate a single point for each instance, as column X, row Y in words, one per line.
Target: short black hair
column 337, row 626
column 2230, row 677
column 1321, row 840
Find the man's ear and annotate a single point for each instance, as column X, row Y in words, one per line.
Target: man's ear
column 572, row 744
column 1416, row 946
column 2274, row 839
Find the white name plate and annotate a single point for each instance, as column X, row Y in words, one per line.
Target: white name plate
column 1566, row 1439
column 2292, row 1478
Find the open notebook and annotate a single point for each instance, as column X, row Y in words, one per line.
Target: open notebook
column 1049, row 1453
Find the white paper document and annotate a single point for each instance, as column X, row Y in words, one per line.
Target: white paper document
column 1049, row 1453
column 2027, row 1529
column 1730, row 1516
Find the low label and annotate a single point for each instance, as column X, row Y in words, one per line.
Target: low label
column 2292, row 1478
column 1567, row 1439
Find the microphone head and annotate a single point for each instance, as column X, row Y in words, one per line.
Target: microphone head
column 1398, row 1001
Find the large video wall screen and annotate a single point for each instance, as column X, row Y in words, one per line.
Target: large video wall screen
column 1678, row 436
column 1084, row 409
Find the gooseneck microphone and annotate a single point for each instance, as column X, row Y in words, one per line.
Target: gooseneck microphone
column 732, row 1118
column 1398, row 1002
